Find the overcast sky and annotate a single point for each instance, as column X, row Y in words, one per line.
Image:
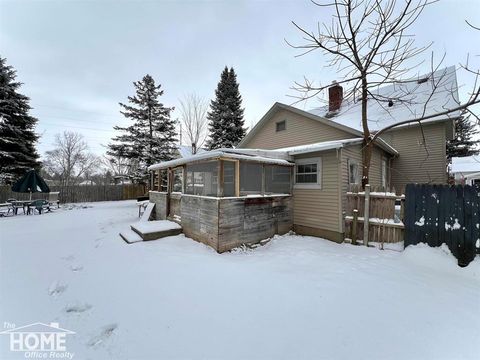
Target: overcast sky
column 78, row 59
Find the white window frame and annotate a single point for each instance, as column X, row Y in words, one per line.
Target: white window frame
column 357, row 180
column 318, row 184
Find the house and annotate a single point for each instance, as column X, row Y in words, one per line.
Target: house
column 293, row 169
column 466, row 170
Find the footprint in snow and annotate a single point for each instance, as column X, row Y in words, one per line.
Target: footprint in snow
column 77, row 308
column 106, row 332
column 56, row 288
column 76, row 267
column 68, row 257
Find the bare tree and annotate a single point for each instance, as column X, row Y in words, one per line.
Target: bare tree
column 194, row 120
column 70, row 158
column 119, row 167
column 368, row 44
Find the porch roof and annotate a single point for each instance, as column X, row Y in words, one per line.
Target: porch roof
column 263, row 156
column 334, row 144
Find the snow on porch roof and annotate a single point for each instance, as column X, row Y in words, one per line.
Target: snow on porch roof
column 257, row 155
column 334, row 144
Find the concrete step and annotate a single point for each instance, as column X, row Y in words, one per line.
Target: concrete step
column 152, row 230
column 130, row 236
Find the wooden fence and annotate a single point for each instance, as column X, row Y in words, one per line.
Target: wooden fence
column 87, row 193
column 443, row 214
column 384, row 221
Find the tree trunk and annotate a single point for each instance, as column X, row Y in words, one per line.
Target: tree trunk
column 367, row 144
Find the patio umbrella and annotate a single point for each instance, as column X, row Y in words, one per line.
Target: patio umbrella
column 31, row 182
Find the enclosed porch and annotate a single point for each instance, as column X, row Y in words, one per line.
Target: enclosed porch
column 225, row 198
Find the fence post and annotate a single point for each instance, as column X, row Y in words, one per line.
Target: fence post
column 366, row 215
column 354, row 227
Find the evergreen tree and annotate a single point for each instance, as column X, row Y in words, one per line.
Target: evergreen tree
column 17, row 128
column 463, row 144
column 151, row 137
column 226, row 123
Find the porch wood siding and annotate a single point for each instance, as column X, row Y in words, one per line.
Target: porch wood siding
column 414, row 165
column 299, row 131
column 320, row 208
column 200, row 219
column 250, row 220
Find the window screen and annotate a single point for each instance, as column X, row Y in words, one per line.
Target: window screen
column 250, row 178
column 163, row 180
column 277, row 179
column 281, row 125
column 228, row 178
column 177, row 180
column 202, row 178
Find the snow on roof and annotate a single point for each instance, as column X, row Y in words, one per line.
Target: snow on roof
column 281, row 156
column 465, row 164
column 411, row 99
column 186, row 151
column 321, row 146
column 264, row 156
column 334, row 144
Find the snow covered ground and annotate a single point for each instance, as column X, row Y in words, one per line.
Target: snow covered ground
column 294, row 298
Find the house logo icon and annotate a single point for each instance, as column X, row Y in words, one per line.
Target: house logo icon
column 39, row 337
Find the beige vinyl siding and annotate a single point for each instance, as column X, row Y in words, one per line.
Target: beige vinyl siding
column 299, row 131
column 414, row 164
column 355, row 153
column 320, row 208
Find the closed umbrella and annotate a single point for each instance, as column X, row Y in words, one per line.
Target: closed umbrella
column 31, row 182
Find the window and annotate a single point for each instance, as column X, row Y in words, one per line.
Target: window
column 308, row 172
column 277, row 179
column 202, row 178
column 250, row 178
column 384, row 173
column 281, row 125
column 353, row 172
column 228, row 178
column 177, row 176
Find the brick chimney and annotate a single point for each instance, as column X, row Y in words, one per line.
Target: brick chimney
column 335, row 97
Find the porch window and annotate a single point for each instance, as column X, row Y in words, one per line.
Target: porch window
column 250, row 178
column 202, row 178
column 163, row 180
column 353, row 172
column 277, row 179
column 228, row 178
column 177, row 176
column 308, row 172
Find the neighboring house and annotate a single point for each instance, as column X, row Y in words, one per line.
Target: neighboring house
column 466, row 170
column 184, row 151
column 318, row 154
column 87, row 183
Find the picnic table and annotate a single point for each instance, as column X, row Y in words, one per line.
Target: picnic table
column 7, row 205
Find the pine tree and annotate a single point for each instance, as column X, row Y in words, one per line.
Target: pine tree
column 17, row 128
column 151, row 137
column 226, row 123
column 463, row 144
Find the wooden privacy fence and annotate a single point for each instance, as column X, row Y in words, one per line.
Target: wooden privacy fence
column 443, row 214
column 378, row 210
column 77, row 193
